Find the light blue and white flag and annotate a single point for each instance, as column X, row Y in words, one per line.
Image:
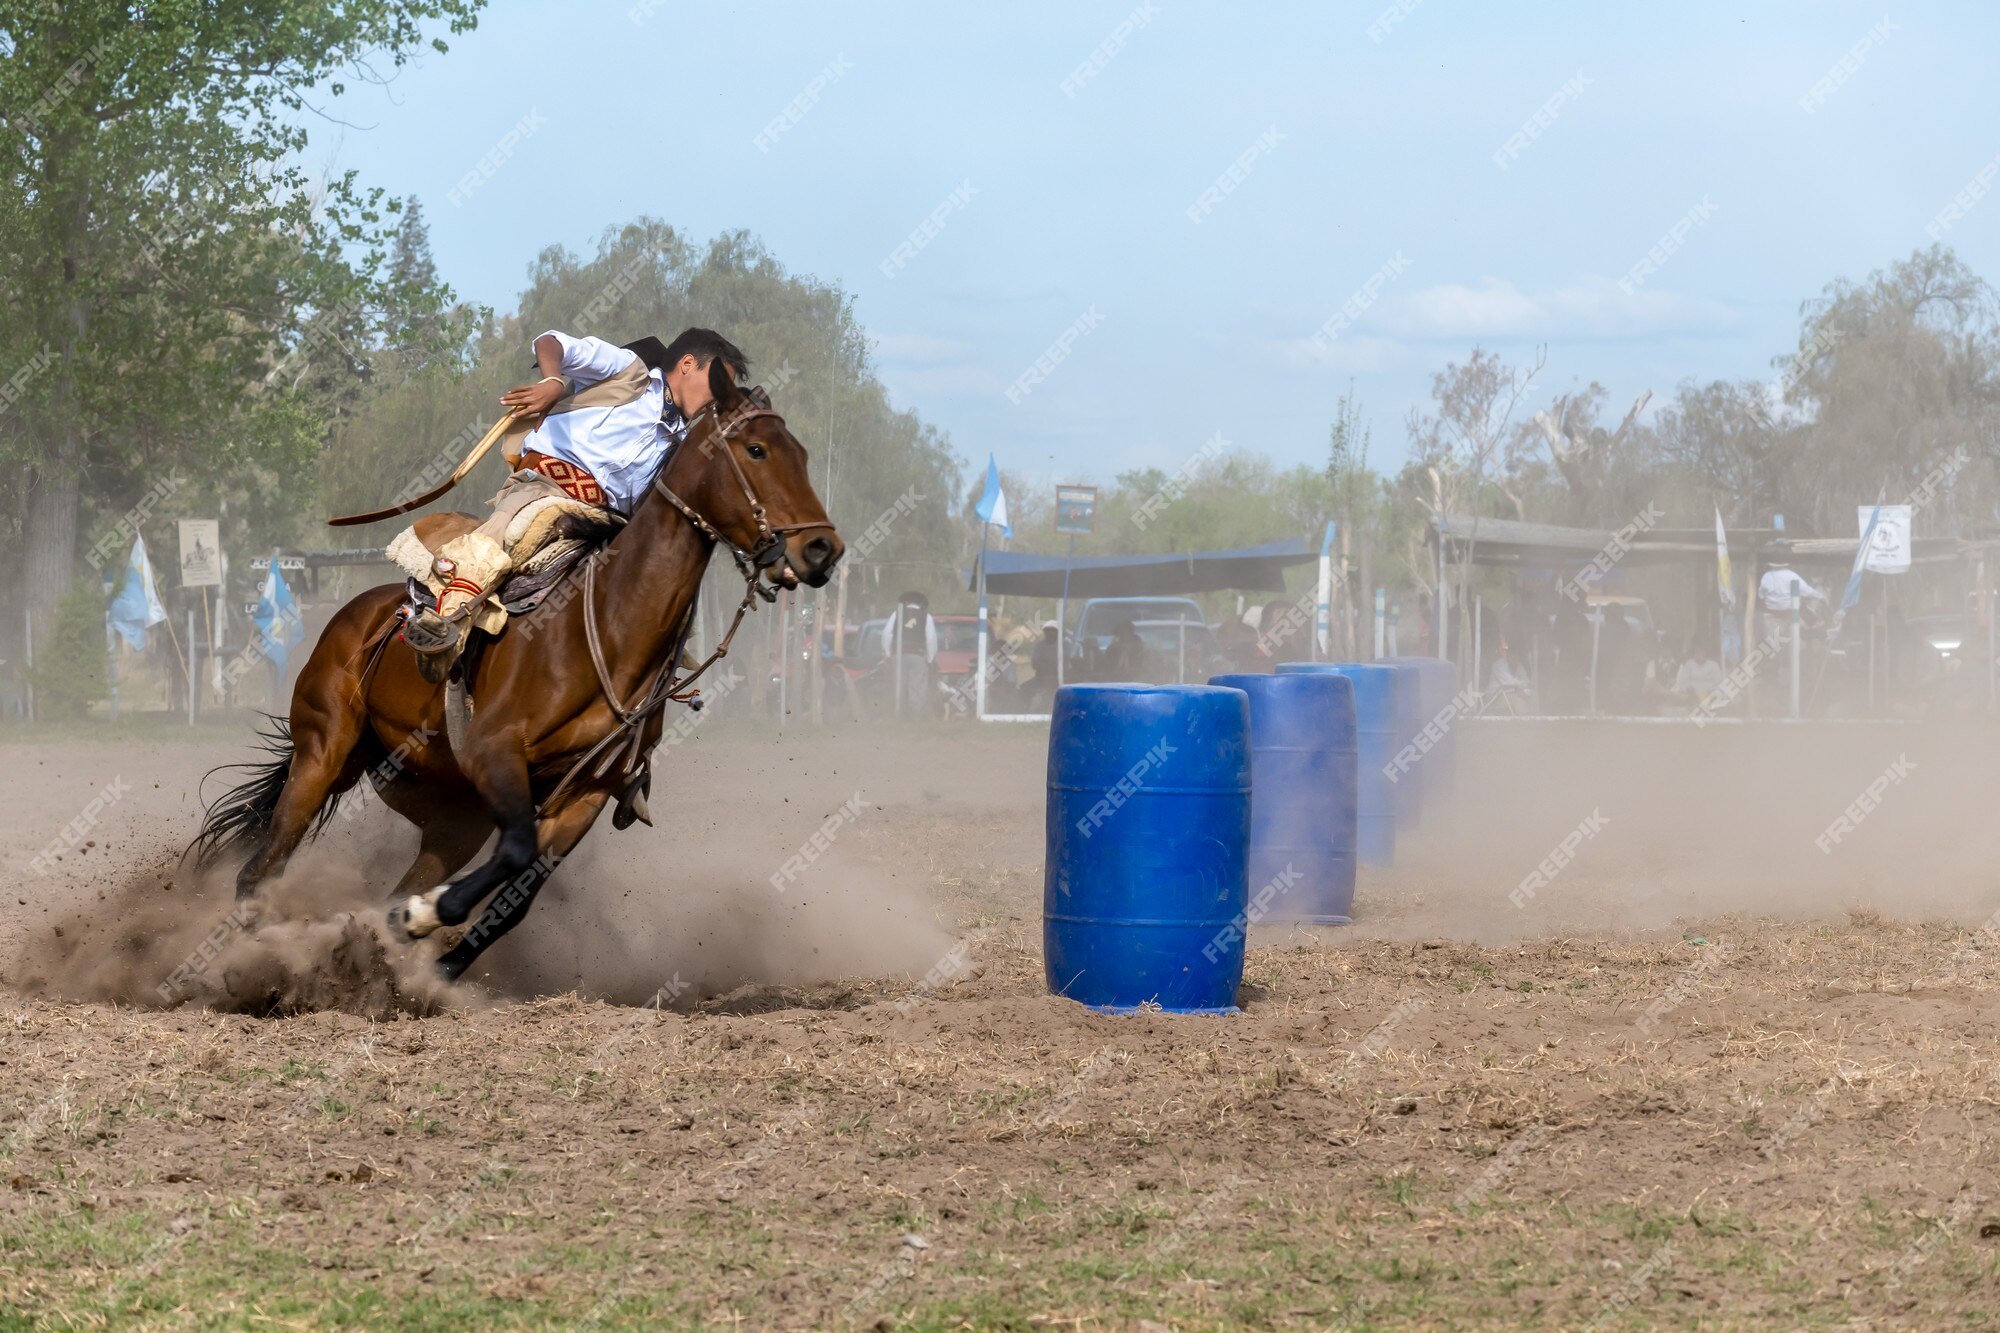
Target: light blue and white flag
column 1853, row 593
column 137, row 608
column 277, row 618
column 992, row 506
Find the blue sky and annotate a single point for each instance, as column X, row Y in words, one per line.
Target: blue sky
column 1069, row 207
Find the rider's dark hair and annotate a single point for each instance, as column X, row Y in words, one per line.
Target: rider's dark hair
column 705, row 345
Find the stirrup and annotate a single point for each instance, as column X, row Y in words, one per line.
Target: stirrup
column 632, row 801
column 436, row 642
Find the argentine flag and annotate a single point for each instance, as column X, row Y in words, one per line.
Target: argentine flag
column 992, row 506
column 137, row 608
column 277, row 618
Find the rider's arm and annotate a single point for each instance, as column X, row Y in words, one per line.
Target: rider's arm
column 566, row 364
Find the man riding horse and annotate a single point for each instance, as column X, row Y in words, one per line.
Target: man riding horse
column 679, row 463
column 596, row 424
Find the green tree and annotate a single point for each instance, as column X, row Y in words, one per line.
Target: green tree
column 172, row 278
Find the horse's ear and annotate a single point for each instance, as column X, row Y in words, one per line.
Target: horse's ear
column 722, row 383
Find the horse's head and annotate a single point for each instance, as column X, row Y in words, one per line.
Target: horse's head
column 752, row 487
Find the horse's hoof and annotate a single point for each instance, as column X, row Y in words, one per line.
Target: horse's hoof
column 414, row 917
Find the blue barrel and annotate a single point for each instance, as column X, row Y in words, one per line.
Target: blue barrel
column 1375, row 747
column 1437, row 757
column 1302, row 796
column 1148, row 844
column 1406, row 785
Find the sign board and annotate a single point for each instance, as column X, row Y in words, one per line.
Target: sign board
column 1076, row 509
column 201, row 553
column 1889, row 548
column 284, row 562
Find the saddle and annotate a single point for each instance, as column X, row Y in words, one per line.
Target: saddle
column 546, row 540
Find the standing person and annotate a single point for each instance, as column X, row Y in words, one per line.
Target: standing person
column 1775, row 597
column 913, row 631
column 1042, row 661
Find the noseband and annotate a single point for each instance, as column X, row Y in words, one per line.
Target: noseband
column 770, row 545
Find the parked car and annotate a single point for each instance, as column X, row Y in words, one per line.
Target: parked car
column 1155, row 639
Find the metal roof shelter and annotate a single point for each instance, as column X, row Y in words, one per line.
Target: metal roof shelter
column 1505, row 542
column 1248, row 568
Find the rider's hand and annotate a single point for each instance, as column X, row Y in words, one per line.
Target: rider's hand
column 533, row 400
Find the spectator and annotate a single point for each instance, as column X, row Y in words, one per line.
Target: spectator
column 1506, row 684
column 913, row 631
column 1775, row 595
column 1042, row 661
column 1700, row 676
column 1662, row 671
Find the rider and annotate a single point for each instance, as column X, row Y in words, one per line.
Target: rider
column 604, row 417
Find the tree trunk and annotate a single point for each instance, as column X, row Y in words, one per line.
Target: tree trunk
column 49, row 539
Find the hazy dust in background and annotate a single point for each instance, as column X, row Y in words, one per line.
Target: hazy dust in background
column 1699, row 822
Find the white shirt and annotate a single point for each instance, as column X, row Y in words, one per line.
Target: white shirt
column 1775, row 588
column 620, row 446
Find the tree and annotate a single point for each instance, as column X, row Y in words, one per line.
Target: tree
column 170, row 274
column 1894, row 377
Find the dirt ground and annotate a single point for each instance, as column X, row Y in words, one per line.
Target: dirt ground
column 1706, row 1072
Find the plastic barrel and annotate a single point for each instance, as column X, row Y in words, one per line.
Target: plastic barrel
column 1406, row 791
column 1375, row 747
column 1439, row 686
column 1302, row 796
column 1148, row 846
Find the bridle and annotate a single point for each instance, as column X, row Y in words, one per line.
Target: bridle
column 770, row 546
column 669, row 684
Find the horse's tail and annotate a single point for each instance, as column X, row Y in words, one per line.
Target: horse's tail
column 242, row 815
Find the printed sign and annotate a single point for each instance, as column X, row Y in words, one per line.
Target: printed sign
column 1889, row 548
column 201, row 553
column 1076, row 509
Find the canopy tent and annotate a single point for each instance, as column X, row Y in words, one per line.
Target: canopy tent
column 1248, row 568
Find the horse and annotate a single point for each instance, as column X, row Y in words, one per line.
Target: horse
column 551, row 710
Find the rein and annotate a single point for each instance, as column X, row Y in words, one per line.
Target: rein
column 667, row 684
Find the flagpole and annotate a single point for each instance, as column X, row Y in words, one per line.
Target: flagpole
column 979, row 687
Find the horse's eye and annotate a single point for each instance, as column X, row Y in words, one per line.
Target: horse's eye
column 755, row 450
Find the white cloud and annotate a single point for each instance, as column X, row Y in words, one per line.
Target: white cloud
column 918, row 348
column 1597, row 307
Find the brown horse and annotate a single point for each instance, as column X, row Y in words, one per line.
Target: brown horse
column 540, row 707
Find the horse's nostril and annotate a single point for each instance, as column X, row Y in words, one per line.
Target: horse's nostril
column 818, row 551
